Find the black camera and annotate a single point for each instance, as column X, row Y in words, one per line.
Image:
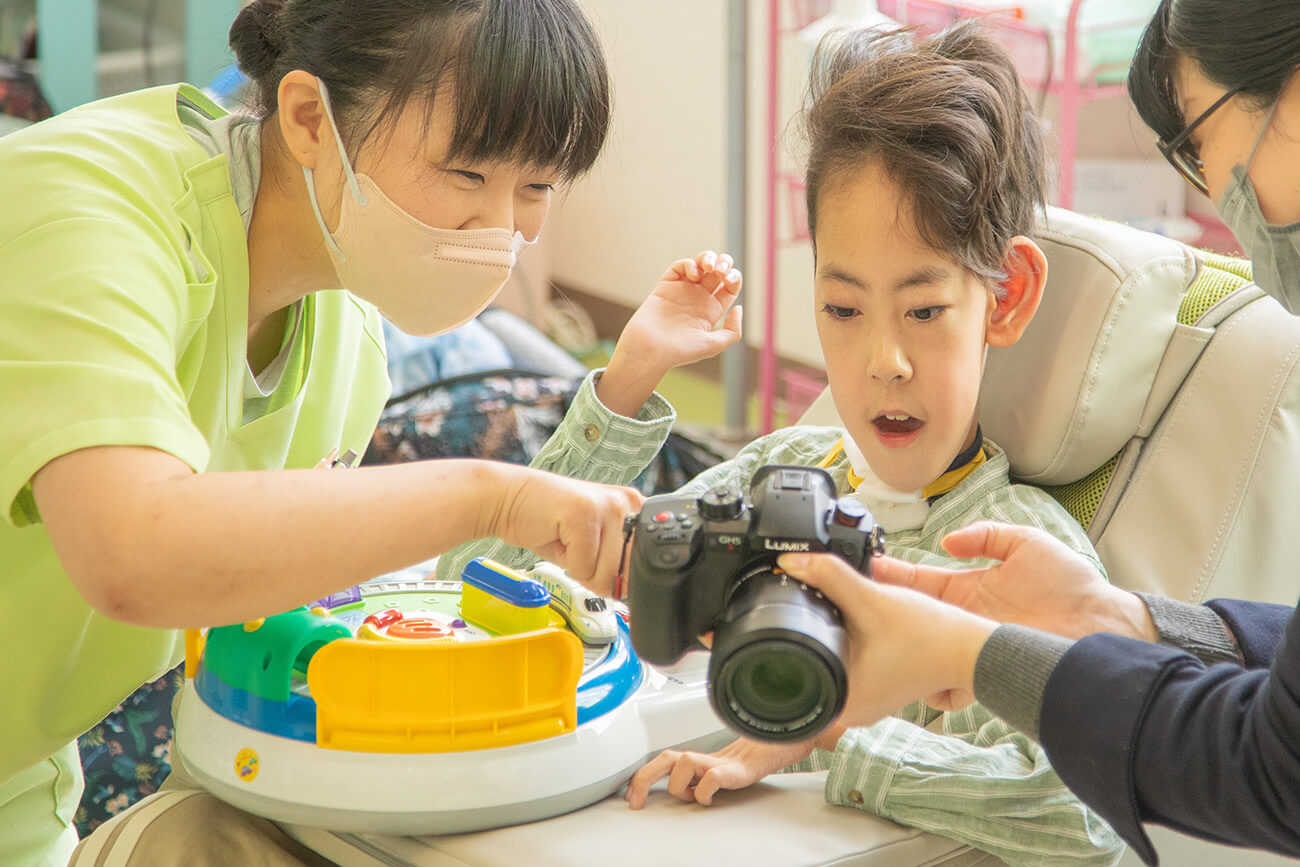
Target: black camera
column 776, row 672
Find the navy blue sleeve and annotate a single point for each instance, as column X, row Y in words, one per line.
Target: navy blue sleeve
column 1145, row 733
column 1257, row 626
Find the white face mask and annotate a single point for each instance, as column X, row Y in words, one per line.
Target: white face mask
column 1274, row 251
column 425, row 280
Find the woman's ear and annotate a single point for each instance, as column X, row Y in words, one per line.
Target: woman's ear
column 1018, row 295
column 302, row 119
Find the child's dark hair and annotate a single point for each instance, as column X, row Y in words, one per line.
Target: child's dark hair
column 947, row 119
column 529, row 77
column 1252, row 45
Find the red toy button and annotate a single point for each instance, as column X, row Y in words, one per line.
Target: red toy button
column 663, row 516
column 387, row 617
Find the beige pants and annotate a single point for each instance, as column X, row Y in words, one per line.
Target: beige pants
column 181, row 825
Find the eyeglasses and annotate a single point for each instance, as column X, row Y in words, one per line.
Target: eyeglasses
column 1182, row 154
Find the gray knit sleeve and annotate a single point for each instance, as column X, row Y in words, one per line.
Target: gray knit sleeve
column 1193, row 628
column 1012, row 671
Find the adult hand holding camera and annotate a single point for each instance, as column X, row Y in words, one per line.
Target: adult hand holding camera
column 1040, row 582
column 903, row 645
column 577, row 524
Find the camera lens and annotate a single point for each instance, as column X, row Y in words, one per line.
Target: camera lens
column 777, row 681
column 776, row 673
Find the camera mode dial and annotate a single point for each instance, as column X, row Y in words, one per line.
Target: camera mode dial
column 849, row 512
column 723, row 503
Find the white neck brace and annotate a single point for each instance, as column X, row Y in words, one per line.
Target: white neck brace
column 894, row 510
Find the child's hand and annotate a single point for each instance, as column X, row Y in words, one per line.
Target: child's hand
column 675, row 324
column 698, row 776
column 672, row 327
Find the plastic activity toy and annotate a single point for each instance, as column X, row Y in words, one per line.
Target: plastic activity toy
column 422, row 707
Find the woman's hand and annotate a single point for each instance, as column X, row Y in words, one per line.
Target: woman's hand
column 698, row 776
column 1040, row 582
column 903, row 645
column 577, row 524
column 672, row 327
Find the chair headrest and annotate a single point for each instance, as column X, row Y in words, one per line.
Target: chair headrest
column 1083, row 378
column 1076, row 387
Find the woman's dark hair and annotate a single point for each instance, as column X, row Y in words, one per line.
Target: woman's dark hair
column 1253, row 45
column 947, row 119
column 529, row 77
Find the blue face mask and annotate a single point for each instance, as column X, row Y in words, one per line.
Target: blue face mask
column 1274, row 251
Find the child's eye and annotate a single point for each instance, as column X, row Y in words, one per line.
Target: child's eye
column 474, row 177
column 541, row 188
column 925, row 314
column 839, row 312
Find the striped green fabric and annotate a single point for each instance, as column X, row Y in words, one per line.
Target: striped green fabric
column 968, row 775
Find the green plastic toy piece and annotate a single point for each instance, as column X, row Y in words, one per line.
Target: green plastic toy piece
column 261, row 659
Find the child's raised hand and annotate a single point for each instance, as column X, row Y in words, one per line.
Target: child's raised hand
column 698, row 776
column 672, row 327
column 675, row 324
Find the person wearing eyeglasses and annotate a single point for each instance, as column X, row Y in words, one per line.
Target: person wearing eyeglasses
column 1216, row 80
column 1151, row 710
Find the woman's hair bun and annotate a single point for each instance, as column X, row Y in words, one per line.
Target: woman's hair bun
column 257, row 37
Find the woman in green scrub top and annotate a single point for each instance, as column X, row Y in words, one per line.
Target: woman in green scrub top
column 188, row 324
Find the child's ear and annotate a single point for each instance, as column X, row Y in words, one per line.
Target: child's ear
column 1018, row 295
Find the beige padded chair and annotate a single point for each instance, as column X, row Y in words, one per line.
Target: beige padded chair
column 1154, row 394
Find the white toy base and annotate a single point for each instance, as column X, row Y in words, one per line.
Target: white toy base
column 442, row 793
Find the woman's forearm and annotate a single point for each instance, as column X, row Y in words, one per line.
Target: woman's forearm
column 149, row 542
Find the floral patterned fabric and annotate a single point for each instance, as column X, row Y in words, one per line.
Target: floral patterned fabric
column 128, row 755
column 508, row 416
column 501, row 415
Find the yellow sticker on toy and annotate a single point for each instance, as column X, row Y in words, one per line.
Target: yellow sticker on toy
column 246, row 764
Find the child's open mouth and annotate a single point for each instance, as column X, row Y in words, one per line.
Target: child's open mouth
column 896, row 429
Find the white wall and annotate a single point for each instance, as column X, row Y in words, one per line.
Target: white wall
column 658, row 191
